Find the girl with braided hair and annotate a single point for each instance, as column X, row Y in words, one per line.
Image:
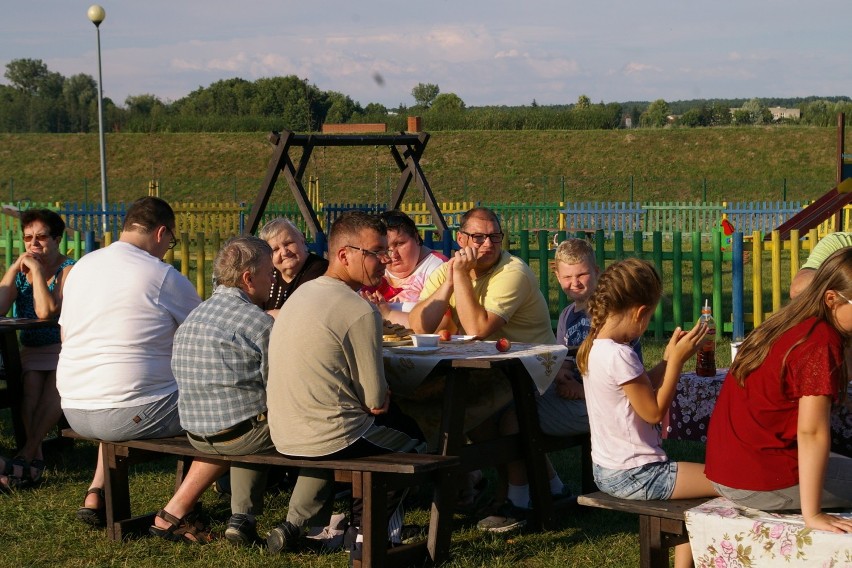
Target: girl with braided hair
column 625, row 402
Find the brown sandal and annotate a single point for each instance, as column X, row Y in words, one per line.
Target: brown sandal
column 187, row 529
column 94, row 516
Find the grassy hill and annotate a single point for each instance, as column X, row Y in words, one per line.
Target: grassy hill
column 522, row 166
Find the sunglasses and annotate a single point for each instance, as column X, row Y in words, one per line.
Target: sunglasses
column 40, row 237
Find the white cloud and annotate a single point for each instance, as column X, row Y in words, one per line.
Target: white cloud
column 635, row 68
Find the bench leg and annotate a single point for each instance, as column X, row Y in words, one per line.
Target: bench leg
column 371, row 489
column 116, row 489
column 653, row 553
column 441, row 519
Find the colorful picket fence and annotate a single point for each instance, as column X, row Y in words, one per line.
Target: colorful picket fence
column 746, row 278
column 744, row 284
column 229, row 218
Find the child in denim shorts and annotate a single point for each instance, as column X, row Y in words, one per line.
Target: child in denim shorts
column 625, row 402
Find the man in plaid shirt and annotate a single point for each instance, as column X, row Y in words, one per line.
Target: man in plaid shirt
column 220, row 364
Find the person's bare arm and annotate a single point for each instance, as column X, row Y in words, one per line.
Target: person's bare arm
column 652, row 404
column 428, row 314
column 813, row 437
column 473, row 317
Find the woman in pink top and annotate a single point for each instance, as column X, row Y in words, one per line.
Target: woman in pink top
column 411, row 264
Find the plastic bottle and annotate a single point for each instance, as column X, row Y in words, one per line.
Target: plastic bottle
column 705, row 360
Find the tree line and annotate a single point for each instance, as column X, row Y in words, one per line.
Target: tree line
column 39, row 100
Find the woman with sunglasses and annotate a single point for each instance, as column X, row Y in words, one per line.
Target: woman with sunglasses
column 410, row 265
column 33, row 283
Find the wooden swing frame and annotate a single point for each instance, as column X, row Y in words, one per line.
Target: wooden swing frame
column 406, row 150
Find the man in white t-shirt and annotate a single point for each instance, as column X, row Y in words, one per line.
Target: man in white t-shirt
column 119, row 316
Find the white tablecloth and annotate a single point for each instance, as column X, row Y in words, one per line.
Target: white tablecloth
column 406, row 371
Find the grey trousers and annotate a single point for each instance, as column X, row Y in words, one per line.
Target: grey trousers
column 312, row 499
column 248, row 481
column 558, row 416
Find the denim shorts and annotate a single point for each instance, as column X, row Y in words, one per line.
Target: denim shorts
column 654, row 480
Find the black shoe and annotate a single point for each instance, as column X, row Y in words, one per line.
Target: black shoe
column 284, row 537
column 352, row 544
column 241, row 530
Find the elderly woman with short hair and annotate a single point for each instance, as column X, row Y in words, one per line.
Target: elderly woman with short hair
column 294, row 263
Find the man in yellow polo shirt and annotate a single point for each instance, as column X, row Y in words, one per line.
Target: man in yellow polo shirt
column 489, row 292
column 485, row 291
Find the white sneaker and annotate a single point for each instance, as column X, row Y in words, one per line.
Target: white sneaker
column 331, row 536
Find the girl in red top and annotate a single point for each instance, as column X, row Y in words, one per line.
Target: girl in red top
column 770, row 433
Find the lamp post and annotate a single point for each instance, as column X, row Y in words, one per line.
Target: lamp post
column 96, row 15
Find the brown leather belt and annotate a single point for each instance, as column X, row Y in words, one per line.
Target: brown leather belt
column 231, row 433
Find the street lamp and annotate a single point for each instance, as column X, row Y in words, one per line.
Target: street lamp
column 96, row 15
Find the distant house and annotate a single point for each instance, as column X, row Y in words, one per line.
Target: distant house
column 779, row 113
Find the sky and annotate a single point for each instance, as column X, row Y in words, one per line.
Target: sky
column 488, row 52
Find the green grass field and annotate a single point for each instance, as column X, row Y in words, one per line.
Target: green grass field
column 754, row 163
column 40, row 528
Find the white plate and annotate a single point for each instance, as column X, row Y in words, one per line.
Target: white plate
column 460, row 339
column 411, row 350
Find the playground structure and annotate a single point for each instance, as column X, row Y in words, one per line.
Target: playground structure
column 406, row 150
column 833, row 202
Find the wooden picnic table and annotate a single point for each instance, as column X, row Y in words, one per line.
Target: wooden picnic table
column 12, row 368
column 526, row 366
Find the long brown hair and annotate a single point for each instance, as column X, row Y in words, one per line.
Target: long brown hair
column 623, row 285
column 834, row 274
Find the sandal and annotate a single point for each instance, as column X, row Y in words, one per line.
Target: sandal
column 6, row 476
column 13, row 481
column 187, row 529
column 38, row 466
column 95, row 517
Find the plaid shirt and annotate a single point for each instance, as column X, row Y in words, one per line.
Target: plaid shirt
column 220, row 362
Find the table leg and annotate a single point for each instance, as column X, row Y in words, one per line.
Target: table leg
column 14, row 382
column 535, row 458
column 452, row 415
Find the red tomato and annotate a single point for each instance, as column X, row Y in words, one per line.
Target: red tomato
column 503, row 345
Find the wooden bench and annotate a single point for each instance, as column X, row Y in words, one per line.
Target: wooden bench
column 661, row 523
column 371, row 479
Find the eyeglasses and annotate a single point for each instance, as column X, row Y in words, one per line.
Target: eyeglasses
column 479, row 238
column 848, row 301
column 40, row 237
column 381, row 255
column 173, row 241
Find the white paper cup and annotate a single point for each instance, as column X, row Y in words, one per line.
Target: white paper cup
column 425, row 339
column 735, row 346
